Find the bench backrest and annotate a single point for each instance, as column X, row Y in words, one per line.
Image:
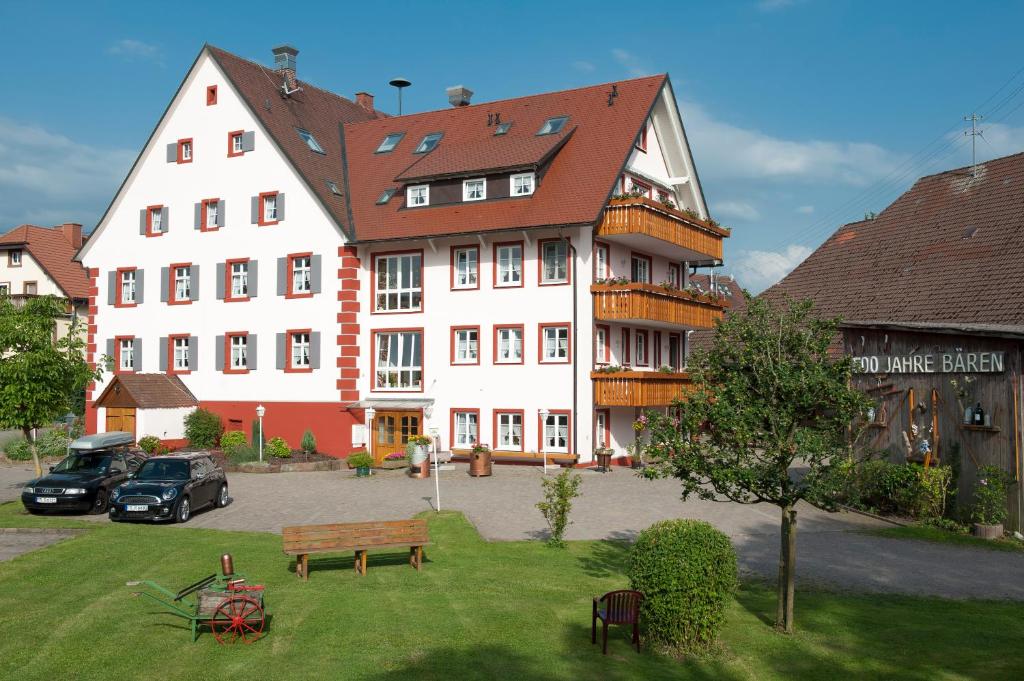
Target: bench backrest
column 342, row 536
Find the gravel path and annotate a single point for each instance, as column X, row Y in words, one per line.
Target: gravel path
column 832, row 549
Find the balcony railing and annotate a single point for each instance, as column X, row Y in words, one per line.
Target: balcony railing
column 652, row 304
column 645, row 217
column 638, row 388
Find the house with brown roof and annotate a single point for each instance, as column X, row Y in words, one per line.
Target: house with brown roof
column 931, row 292
column 39, row 261
column 513, row 273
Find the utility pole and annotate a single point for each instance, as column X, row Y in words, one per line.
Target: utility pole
column 974, row 133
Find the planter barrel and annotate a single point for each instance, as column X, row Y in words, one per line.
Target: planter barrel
column 480, row 464
column 604, row 461
column 988, row 531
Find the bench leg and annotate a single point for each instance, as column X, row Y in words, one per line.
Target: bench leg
column 419, row 557
column 355, row 563
column 305, row 567
column 363, row 563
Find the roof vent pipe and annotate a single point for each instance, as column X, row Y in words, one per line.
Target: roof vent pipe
column 459, row 95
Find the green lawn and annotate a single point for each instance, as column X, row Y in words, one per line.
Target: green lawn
column 478, row 610
column 934, row 534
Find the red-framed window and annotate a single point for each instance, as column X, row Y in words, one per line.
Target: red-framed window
column 625, row 347
column 465, row 268
column 509, row 433
column 300, row 276
column 465, row 345
column 179, row 360
column 663, row 196
column 179, row 285
column 185, row 150
column 633, row 185
column 465, row 427
column 125, row 355
column 641, row 268
column 641, row 140
column 236, row 352
column 236, row 143
column 656, row 349
column 509, row 343
column 509, row 257
column 269, row 210
column 673, row 275
column 211, row 95
column 396, row 282
column 554, row 433
column 602, row 260
column 298, row 351
column 554, row 343
column 602, row 428
column 155, row 221
column 642, row 339
column 236, row 280
column 127, row 281
column 675, row 351
column 602, row 344
column 209, row 215
column 554, row 262
column 397, row 360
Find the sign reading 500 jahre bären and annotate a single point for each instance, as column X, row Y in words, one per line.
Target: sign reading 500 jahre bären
column 944, row 363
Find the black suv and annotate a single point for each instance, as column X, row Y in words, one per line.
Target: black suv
column 83, row 481
column 170, row 488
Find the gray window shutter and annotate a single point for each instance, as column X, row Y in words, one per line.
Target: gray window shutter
column 163, row 353
column 282, row 276
column 219, row 354
column 281, row 349
column 165, row 284
column 255, row 210
column 111, row 287
column 220, row 213
column 250, row 352
column 198, row 210
column 220, row 281
column 314, row 350
column 193, row 282
column 165, row 221
column 193, row 353
column 254, row 277
column 248, row 141
column 137, row 354
column 142, row 221
column 172, row 152
column 140, row 286
column 280, row 207
column 110, row 349
column 314, row 274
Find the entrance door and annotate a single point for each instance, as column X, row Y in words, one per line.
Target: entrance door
column 121, row 418
column 391, row 431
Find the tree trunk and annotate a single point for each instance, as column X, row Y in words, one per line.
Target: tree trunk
column 787, row 571
column 32, row 448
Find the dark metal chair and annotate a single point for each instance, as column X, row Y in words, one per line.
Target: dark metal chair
column 617, row 607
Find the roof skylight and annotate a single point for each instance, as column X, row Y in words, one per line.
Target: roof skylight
column 390, row 142
column 386, row 196
column 428, row 143
column 502, row 128
column 553, row 125
column 333, row 186
column 310, row 141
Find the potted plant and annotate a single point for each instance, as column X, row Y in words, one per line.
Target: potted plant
column 636, row 450
column 418, row 449
column 395, row 460
column 480, row 460
column 989, row 509
column 361, row 461
column 604, row 458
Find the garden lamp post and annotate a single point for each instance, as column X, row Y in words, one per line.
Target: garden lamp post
column 437, row 467
column 69, row 421
column 369, row 412
column 260, row 411
column 543, row 437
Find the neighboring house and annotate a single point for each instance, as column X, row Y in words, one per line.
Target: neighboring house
column 731, row 294
column 455, row 271
column 39, row 261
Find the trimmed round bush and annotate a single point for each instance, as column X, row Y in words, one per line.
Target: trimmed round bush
column 203, row 428
column 232, row 440
column 18, row 449
column 149, row 443
column 278, row 448
column 686, row 570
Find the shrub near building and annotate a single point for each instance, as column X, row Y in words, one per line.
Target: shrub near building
column 686, row 570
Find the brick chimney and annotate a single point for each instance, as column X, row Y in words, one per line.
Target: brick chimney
column 73, row 233
column 365, row 100
column 284, row 63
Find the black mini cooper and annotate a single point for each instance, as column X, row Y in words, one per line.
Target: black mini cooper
column 170, row 488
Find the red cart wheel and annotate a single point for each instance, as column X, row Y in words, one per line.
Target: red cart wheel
column 238, row 618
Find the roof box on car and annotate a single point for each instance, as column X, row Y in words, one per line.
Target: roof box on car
column 116, row 438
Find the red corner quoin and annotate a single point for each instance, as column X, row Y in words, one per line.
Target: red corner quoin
column 348, row 338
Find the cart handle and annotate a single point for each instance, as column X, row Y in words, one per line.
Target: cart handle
column 192, row 588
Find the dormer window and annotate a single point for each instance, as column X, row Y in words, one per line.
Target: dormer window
column 502, row 128
column 310, row 141
column 390, row 142
column 428, row 143
column 386, row 196
column 474, row 190
column 333, row 186
column 522, row 184
column 553, row 125
column 418, row 195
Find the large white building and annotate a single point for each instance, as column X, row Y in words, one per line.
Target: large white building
column 513, row 272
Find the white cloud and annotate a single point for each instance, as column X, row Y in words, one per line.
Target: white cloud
column 584, row 66
column 47, row 178
column 726, row 151
column 1000, row 140
column 633, row 64
column 739, row 210
column 135, row 49
column 757, row 270
column 805, row 210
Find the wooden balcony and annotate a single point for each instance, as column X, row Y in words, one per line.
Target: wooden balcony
column 647, row 225
column 653, row 305
column 638, row 388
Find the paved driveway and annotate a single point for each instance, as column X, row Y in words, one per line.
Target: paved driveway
column 832, row 551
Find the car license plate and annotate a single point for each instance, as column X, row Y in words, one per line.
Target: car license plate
column 46, row 500
column 137, row 507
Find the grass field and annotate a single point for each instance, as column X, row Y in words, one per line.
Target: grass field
column 934, row 534
column 479, row 610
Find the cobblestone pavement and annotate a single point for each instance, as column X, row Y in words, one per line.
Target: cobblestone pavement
column 832, row 548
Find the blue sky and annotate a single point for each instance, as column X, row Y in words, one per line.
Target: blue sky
column 803, row 114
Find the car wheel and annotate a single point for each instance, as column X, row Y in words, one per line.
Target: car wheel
column 222, row 496
column 184, row 511
column 102, row 499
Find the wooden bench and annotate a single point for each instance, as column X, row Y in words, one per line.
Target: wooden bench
column 302, row 540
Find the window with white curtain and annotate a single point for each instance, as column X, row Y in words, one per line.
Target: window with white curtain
column 466, row 429
column 399, row 360
column 398, row 286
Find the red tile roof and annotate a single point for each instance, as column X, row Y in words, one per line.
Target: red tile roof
column 150, row 391
column 574, row 190
column 54, row 253
column 950, row 249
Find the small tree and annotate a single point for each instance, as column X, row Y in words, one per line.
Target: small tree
column 308, row 444
column 558, row 495
column 41, row 376
column 766, row 396
column 203, row 428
